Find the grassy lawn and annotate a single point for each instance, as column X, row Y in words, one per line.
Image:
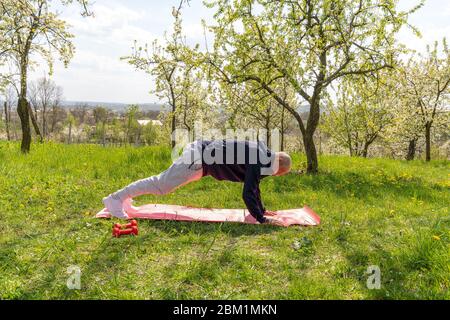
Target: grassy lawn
column 387, row 213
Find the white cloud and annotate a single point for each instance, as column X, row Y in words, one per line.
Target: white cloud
column 102, row 63
column 106, row 18
column 115, row 25
column 96, row 72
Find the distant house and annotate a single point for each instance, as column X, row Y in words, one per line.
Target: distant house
column 143, row 123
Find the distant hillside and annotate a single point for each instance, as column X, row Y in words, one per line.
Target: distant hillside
column 113, row 105
column 302, row 109
column 143, row 106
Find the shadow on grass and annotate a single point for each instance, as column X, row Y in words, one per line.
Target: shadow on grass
column 343, row 184
column 359, row 258
column 419, row 258
column 230, row 228
column 109, row 255
column 112, row 255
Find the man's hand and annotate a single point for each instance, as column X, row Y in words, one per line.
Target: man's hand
column 275, row 221
column 272, row 219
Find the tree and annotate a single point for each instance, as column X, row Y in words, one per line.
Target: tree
column 405, row 131
column 195, row 97
column 9, row 96
column 71, row 122
column 132, row 129
column 34, row 122
column 362, row 111
column 308, row 43
column 148, row 134
column 101, row 118
column 31, row 27
column 5, row 109
column 56, row 111
column 426, row 82
column 250, row 107
column 44, row 94
column 168, row 65
column 81, row 113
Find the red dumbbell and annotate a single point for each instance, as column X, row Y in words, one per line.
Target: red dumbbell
column 117, row 232
column 132, row 223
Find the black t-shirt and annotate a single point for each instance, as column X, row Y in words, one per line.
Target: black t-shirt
column 239, row 161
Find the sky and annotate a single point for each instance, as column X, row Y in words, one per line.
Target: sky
column 97, row 74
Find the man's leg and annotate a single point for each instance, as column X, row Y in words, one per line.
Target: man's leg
column 178, row 174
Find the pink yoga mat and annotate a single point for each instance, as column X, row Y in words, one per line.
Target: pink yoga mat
column 304, row 216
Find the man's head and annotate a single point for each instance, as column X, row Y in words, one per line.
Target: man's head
column 284, row 163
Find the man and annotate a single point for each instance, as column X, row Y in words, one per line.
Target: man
column 238, row 161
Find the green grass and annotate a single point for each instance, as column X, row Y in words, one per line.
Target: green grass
column 388, row 213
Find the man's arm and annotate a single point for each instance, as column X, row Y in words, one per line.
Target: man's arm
column 258, row 194
column 251, row 193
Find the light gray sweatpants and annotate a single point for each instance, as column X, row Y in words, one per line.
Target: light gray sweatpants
column 185, row 169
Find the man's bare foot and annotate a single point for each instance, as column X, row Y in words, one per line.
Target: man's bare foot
column 115, row 207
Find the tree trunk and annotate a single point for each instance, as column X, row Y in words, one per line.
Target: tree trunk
column 282, row 129
column 70, row 133
column 44, row 121
column 308, row 136
column 320, row 142
column 267, row 128
column 34, row 122
column 138, row 138
column 7, row 118
column 103, row 134
column 23, row 111
column 365, row 150
column 308, row 142
column 174, row 125
column 411, row 149
column 14, row 128
column 428, row 141
column 311, row 153
column 127, row 135
column 54, row 118
column 173, row 103
column 23, row 107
